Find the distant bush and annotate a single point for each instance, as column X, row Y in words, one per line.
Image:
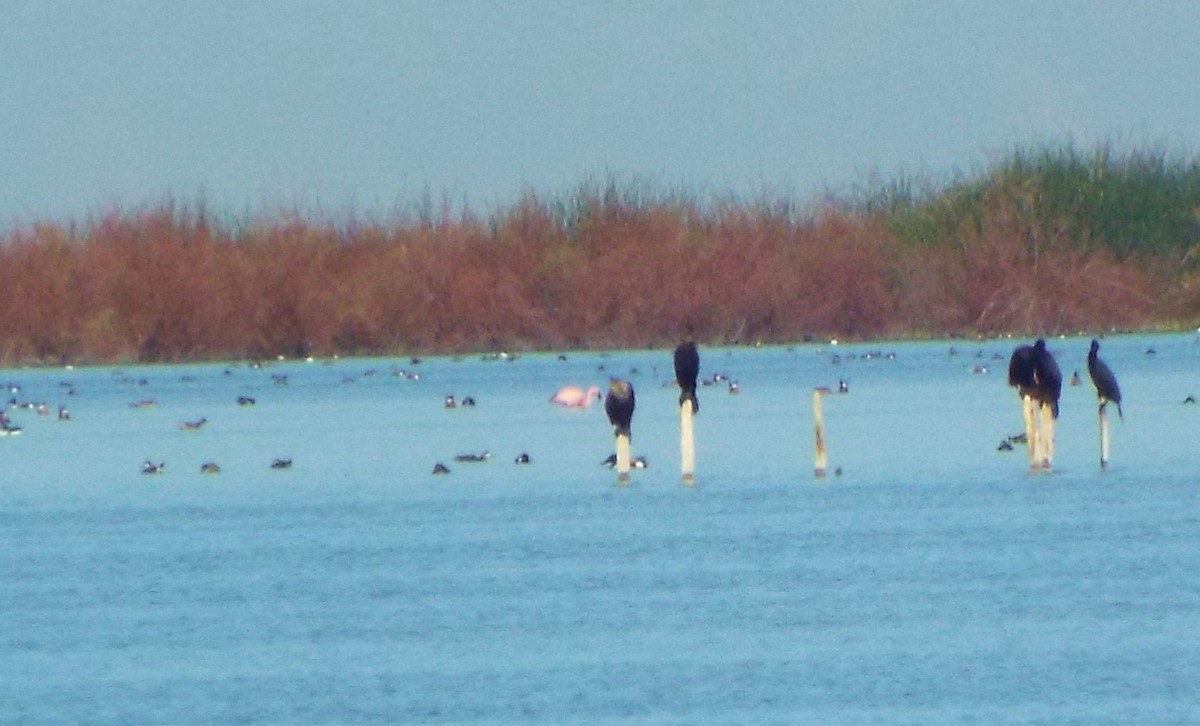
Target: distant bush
column 1048, row 240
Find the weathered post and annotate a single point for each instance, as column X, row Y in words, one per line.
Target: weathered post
column 1104, row 437
column 687, row 370
column 820, row 458
column 619, row 405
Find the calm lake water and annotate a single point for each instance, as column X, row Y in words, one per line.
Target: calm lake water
column 935, row 581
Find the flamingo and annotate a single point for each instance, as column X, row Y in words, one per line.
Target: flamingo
column 576, row 397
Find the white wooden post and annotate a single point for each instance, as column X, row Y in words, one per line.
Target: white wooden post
column 1104, row 437
column 623, row 458
column 687, row 443
column 820, row 460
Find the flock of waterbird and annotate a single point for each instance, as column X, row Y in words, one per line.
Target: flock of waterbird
column 1032, row 370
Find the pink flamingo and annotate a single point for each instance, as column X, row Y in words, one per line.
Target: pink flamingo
column 576, row 397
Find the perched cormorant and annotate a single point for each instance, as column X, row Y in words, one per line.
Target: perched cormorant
column 619, row 405
column 1102, row 376
column 687, row 369
column 1032, row 370
column 1047, row 375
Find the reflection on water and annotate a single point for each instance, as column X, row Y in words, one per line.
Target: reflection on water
column 936, row 580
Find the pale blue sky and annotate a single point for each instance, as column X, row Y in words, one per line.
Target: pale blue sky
column 265, row 104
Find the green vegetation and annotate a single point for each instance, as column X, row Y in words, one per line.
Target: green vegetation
column 1047, row 240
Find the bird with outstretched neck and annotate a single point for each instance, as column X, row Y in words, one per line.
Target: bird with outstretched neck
column 1102, row 376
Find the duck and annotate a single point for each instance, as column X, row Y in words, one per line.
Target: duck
column 522, row 458
column 440, row 468
column 193, row 425
column 149, row 467
column 281, row 464
column 637, row 462
column 210, row 467
column 246, row 401
column 473, row 458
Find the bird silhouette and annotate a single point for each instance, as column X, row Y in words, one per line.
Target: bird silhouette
column 687, row 369
column 619, row 405
column 1104, row 380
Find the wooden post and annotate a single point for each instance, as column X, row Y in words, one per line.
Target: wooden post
column 820, row 460
column 623, row 458
column 687, row 443
column 1029, row 414
column 1104, row 437
column 1046, row 436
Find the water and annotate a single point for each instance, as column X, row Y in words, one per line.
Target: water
column 935, row 581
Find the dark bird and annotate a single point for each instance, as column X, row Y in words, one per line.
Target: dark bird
column 619, row 405
column 473, row 458
column 149, row 467
column 1034, row 373
column 281, row 464
column 245, row 401
column 193, row 425
column 522, row 458
column 687, row 369
column 210, row 467
column 440, row 468
column 637, row 462
column 1102, row 376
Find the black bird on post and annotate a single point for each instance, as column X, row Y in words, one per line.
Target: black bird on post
column 687, row 370
column 1037, row 378
column 619, row 405
column 1104, row 380
column 1047, row 376
column 1106, row 390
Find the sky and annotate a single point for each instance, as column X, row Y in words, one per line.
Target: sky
column 366, row 108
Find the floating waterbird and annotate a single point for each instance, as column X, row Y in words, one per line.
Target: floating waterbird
column 473, row 458
column 149, row 467
column 210, row 467
column 281, row 464
column 637, row 462
column 440, row 468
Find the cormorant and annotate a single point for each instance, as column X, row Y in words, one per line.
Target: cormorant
column 619, row 405
column 1102, row 376
column 687, row 369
